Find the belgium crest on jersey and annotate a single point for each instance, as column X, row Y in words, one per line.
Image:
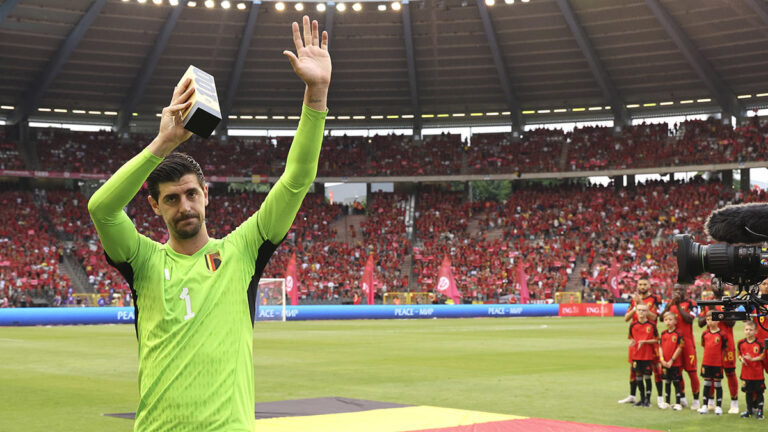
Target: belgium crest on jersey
column 213, row 261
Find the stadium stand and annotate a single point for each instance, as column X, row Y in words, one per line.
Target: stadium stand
column 563, row 241
column 29, row 255
column 539, row 150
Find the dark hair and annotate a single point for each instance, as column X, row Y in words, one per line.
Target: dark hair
column 171, row 169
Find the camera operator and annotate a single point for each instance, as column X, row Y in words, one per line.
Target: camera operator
column 683, row 307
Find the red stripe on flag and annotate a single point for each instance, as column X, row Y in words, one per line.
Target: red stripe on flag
column 534, row 425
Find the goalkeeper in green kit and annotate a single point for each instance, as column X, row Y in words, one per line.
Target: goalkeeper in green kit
column 194, row 296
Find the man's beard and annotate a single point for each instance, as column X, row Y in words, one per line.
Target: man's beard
column 189, row 231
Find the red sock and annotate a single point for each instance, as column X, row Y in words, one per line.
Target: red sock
column 733, row 385
column 682, row 385
column 694, row 382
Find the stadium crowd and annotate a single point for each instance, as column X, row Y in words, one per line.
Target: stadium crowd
column 539, row 150
column 566, row 235
column 559, row 240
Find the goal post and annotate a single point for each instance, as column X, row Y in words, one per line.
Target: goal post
column 568, row 297
column 406, row 298
column 271, row 300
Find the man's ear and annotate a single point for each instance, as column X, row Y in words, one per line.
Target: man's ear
column 205, row 192
column 154, row 205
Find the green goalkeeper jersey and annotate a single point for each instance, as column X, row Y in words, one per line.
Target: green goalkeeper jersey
column 194, row 313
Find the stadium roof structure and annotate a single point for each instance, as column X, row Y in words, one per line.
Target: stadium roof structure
column 432, row 62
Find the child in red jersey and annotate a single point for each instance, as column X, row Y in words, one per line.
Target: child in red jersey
column 751, row 355
column 653, row 301
column 715, row 343
column 671, row 348
column 729, row 357
column 644, row 337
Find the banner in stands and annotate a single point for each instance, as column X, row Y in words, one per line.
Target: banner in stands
column 586, row 309
column 125, row 315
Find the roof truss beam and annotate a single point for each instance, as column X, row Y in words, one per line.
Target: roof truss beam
column 411, row 60
column 31, row 98
column 759, row 6
column 717, row 87
column 620, row 113
column 237, row 68
column 140, row 82
column 501, row 69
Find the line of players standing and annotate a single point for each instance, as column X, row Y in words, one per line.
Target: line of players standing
column 667, row 354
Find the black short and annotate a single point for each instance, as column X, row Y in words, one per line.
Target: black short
column 674, row 373
column 711, row 372
column 642, row 367
column 753, row 386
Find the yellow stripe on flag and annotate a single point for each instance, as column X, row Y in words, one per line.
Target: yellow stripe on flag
column 382, row 420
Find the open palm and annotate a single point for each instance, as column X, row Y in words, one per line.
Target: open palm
column 313, row 63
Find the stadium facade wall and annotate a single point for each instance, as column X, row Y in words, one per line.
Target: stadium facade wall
column 125, row 315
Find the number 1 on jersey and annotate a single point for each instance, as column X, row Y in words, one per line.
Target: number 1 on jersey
column 185, row 296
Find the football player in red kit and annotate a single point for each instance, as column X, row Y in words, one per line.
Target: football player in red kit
column 683, row 308
column 762, row 324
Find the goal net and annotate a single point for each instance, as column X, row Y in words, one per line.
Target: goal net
column 270, row 300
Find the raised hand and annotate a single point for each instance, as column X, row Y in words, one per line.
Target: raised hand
column 312, row 63
column 172, row 132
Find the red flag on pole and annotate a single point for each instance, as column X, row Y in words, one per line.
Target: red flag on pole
column 367, row 282
column 291, row 282
column 446, row 284
column 613, row 278
column 522, row 283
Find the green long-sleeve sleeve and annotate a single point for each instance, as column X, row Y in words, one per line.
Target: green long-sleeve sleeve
column 276, row 215
column 116, row 231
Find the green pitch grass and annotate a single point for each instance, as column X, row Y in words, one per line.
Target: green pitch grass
column 65, row 378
